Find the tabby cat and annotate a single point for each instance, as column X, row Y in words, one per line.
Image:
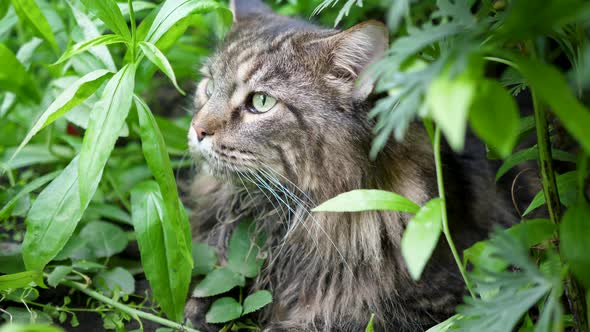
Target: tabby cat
column 280, row 126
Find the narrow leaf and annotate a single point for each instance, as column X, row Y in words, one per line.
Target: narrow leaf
column 106, row 122
column 167, row 269
column 421, row 236
column 256, row 301
column 53, row 218
column 366, row 200
column 174, row 10
column 566, row 187
column 90, row 31
column 30, row 187
column 531, row 154
column 21, row 279
column 110, row 14
column 86, row 45
column 223, row 310
column 28, row 11
column 75, row 94
column 159, row 59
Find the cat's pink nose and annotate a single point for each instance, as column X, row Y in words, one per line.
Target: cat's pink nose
column 201, row 132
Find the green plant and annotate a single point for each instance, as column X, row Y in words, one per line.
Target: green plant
column 66, row 239
column 436, row 71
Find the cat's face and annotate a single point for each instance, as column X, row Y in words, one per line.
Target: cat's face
column 281, row 94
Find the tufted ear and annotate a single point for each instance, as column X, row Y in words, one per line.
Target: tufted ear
column 354, row 49
column 243, row 8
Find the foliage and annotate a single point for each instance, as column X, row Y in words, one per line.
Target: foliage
column 459, row 64
column 83, row 159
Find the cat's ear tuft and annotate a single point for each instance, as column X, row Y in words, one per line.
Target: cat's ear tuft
column 355, row 49
column 244, row 8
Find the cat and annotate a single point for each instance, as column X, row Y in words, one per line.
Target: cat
column 281, row 126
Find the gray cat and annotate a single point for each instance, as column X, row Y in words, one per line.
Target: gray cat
column 281, row 125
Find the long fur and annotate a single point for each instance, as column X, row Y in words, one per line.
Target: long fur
column 327, row 271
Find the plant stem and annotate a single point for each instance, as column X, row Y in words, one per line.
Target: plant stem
column 445, row 221
column 574, row 292
column 133, row 312
column 132, row 22
column 545, row 161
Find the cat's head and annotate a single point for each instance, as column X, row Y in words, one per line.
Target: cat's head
column 281, row 93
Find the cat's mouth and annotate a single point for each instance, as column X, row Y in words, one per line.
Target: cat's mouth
column 221, row 158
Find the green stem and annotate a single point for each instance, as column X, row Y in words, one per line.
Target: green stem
column 132, row 21
column 132, row 312
column 545, row 161
column 574, row 291
column 445, row 221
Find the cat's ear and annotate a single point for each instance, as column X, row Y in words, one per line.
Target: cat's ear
column 243, row 8
column 354, row 49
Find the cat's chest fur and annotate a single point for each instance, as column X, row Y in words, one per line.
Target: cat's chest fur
column 331, row 271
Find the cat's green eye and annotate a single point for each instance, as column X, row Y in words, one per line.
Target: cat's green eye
column 262, row 103
column 209, row 88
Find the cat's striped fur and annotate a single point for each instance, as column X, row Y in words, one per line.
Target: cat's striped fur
column 327, row 271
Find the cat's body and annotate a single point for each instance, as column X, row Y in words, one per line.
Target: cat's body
column 327, row 271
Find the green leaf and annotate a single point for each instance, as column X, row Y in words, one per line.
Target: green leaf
column 566, row 187
column 531, row 154
column 109, row 211
column 223, row 310
column 421, row 236
column 370, row 327
column 204, row 258
column 30, row 187
column 53, row 218
column 28, row 11
column 110, row 14
column 88, row 44
column 159, row 59
column 493, row 105
column 446, row 325
column 75, row 94
column 244, row 246
column 21, row 279
column 106, row 122
column 574, row 239
column 104, row 239
column 498, row 310
column 174, row 10
column 366, row 200
column 58, row 274
column 449, row 99
column 532, row 232
column 90, row 31
column 551, row 87
column 117, row 279
column 528, row 232
column 154, row 151
column 256, row 301
column 166, row 267
column 218, row 281
column 14, row 77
